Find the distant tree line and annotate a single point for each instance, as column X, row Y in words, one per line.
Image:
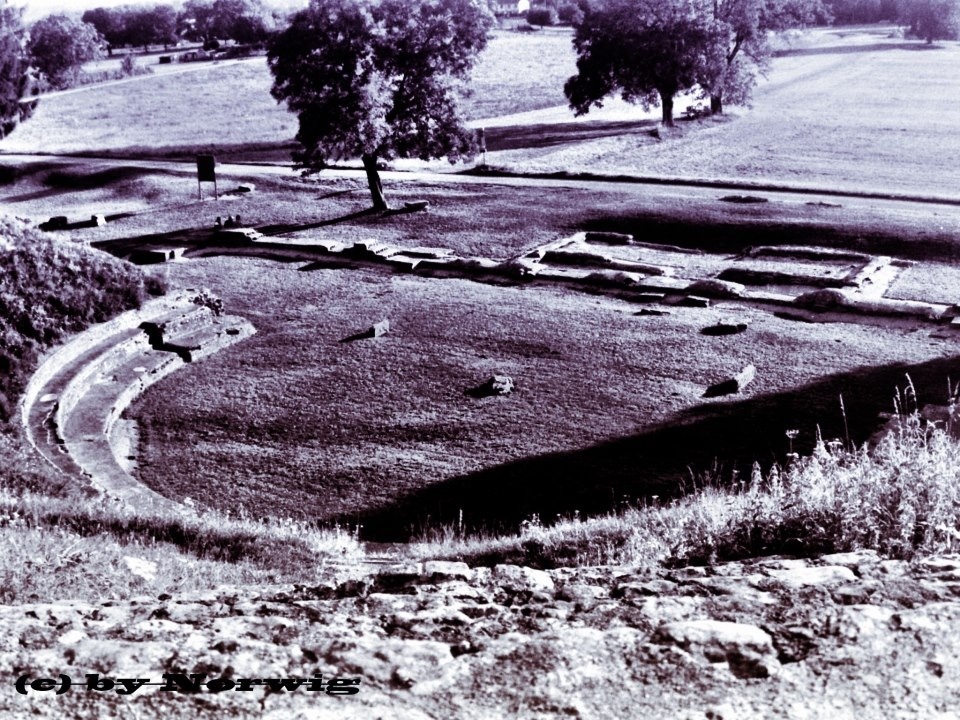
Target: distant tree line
column 204, row 21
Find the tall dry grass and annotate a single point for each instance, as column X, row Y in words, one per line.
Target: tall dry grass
column 901, row 498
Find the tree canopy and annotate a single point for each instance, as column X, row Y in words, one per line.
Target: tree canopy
column 17, row 79
column 648, row 50
column 246, row 21
column 378, row 79
column 59, row 45
column 743, row 25
column 931, row 19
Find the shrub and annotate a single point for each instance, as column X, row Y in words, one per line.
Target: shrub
column 542, row 15
column 128, row 66
column 49, row 288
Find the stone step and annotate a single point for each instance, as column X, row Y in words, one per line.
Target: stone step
column 86, row 430
column 177, row 323
column 220, row 333
column 58, row 392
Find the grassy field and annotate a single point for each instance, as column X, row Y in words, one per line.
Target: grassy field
column 608, row 406
column 861, row 110
column 228, row 108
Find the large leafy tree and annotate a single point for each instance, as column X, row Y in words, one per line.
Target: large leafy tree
column 148, row 25
column 931, row 19
column 60, row 45
column 17, row 79
column 647, row 50
column 110, row 23
column 245, row 21
column 378, row 79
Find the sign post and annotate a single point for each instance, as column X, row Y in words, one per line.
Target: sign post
column 482, row 143
column 207, row 172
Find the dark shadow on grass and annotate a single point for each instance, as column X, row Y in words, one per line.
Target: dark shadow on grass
column 62, row 179
column 365, row 335
column 853, row 49
column 514, row 137
column 730, row 434
column 737, row 234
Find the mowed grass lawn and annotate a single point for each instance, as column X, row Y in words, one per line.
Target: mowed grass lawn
column 229, row 106
column 863, row 111
column 852, row 111
column 296, row 422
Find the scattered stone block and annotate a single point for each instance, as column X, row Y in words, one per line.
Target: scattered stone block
column 165, row 59
column 246, row 187
column 694, row 301
column 652, row 313
column 99, row 220
column 497, row 385
column 380, row 328
column 608, row 238
column 724, row 328
column 744, row 199
column 734, row 384
column 416, row 205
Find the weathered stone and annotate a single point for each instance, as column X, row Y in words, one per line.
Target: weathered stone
column 724, row 328
column 441, row 571
column 380, row 328
column 715, row 288
column 747, row 649
column 608, row 238
column 694, row 301
column 744, row 199
column 734, row 384
column 825, row 299
column 57, row 222
column 99, row 220
column 800, row 577
column 416, row 205
column 398, row 576
column 497, row 385
column 514, row 579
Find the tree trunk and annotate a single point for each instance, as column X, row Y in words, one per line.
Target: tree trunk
column 373, row 180
column 716, row 103
column 666, row 99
